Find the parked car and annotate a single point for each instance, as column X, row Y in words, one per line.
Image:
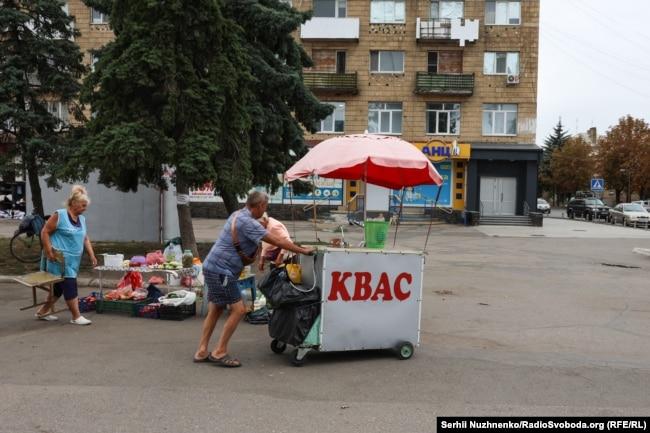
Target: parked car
column 644, row 203
column 588, row 208
column 629, row 214
column 543, row 206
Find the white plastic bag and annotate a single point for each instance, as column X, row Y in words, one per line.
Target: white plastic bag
column 173, row 253
column 182, row 297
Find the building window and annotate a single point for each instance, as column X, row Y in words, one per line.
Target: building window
column 443, row 119
column 387, row 11
column 447, row 9
column 432, row 62
column 330, row 8
column 335, row 122
column 387, row 61
column 385, row 117
column 97, row 17
column 503, row 13
column 499, row 119
column 93, row 61
column 340, row 62
column 59, row 110
column 501, row 64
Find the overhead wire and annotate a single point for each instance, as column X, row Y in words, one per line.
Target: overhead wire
column 580, row 62
column 611, row 18
column 597, row 18
column 590, row 45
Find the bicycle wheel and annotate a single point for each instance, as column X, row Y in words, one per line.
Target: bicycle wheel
column 26, row 248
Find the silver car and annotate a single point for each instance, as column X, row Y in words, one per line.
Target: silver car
column 629, row 214
column 543, row 206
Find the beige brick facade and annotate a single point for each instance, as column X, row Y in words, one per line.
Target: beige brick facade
column 521, row 38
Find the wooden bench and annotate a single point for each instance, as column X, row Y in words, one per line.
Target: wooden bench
column 42, row 280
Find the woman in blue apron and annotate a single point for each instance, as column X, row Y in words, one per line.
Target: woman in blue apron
column 65, row 231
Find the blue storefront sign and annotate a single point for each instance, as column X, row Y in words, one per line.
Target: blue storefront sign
column 327, row 191
column 425, row 195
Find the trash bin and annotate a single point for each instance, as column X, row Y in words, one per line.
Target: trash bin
column 472, row 218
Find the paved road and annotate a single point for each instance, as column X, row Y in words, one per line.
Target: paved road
column 511, row 325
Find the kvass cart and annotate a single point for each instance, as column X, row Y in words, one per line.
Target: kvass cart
column 370, row 299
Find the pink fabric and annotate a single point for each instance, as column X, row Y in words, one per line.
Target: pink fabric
column 278, row 229
column 380, row 160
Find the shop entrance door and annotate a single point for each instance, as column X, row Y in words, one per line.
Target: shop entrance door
column 498, row 195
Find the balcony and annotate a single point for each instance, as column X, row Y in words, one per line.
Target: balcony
column 329, row 82
column 444, row 84
column 438, row 30
column 330, row 29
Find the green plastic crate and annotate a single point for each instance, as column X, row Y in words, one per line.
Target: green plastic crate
column 127, row 307
column 376, row 232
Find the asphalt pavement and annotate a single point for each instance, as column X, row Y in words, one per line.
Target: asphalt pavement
column 513, row 323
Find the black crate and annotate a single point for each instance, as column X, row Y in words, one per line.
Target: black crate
column 168, row 312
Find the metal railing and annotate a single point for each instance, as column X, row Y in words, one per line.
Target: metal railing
column 450, row 84
column 331, row 82
column 435, row 28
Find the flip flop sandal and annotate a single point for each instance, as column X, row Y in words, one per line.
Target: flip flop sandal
column 225, row 361
column 198, row 360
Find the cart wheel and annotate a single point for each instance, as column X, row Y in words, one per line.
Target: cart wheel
column 405, row 350
column 278, row 346
column 296, row 360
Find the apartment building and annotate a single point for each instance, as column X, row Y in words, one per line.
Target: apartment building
column 456, row 78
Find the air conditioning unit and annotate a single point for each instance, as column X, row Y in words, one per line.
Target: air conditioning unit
column 512, row 79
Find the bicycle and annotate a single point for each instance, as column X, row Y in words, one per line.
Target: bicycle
column 26, row 245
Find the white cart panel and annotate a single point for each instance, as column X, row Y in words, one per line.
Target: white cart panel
column 371, row 299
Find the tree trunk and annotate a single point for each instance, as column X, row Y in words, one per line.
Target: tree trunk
column 34, row 186
column 618, row 195
column 230, row 201
column 185, row 216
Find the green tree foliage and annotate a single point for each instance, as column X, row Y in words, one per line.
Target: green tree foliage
column 624, row 157
column 282, row 102
column 553, row 142
column 572, row 166
column 169, row 91
column 39, row 66
column 214, row 90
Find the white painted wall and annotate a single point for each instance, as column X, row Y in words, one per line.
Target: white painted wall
column 118, row 216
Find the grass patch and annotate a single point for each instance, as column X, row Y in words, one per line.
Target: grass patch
column 11, row 266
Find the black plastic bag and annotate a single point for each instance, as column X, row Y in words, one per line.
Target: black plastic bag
column 291, row 325
column 279, row 291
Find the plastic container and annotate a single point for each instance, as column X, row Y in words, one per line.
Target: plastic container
column 188, row 259
column 113, row 260
column 129, row 307
column 168, row 312
column 246, row 287
column 376, row 232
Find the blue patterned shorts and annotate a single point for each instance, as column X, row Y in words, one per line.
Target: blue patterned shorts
column 221, row 294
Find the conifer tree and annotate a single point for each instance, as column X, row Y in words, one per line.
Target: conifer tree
column 40, row 66
column 169, row 92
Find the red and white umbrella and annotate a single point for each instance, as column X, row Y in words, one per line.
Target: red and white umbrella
column 377, row 159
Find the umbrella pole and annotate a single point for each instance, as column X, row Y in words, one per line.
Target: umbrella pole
column 399, row 216
column 293, row 217
column 365, row 200
column 435, row 204
column 313, row 195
